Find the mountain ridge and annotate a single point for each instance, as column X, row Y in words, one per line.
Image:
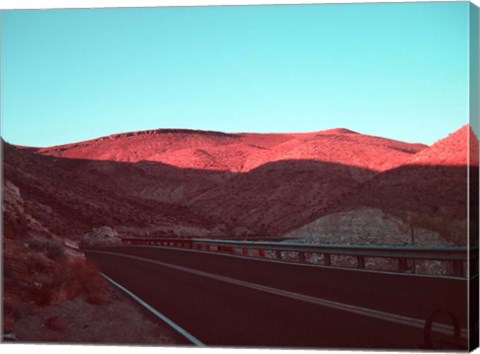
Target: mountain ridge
column 234, row 152
column 177, row 182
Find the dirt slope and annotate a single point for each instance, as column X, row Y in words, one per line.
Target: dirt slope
column 231, row 184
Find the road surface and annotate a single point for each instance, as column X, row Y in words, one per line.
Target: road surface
column 237, row 301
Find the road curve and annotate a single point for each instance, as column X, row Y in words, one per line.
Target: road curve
column 235, row 301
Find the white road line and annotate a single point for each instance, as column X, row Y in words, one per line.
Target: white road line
column 385, row 316
column 164, row 318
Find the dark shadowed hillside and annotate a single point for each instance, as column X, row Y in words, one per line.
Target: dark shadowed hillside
column 194, row 183
column 427, row 193
column 199, row 183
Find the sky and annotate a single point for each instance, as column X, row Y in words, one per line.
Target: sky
column 394, row 70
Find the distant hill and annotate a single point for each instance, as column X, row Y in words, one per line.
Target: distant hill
column 239, row 152
column 201, row 183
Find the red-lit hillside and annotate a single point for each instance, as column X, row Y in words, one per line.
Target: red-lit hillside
column 234, row 184
column 201, row 183
column 450, row 151
column 240, row 152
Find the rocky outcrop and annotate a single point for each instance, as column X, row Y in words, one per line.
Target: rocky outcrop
column 18, row 222
column 369, row 226
column 101, row 236
column 40, row 267
column 366, row 226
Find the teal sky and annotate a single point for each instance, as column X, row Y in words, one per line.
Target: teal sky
column 393, row 70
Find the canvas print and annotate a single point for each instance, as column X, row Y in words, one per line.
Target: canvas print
column 282, row 176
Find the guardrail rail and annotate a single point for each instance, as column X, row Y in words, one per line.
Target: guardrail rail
column 456, row 257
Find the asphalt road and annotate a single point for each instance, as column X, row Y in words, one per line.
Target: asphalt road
column 230, row 301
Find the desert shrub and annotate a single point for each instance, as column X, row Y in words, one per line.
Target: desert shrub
column 53, row 250
column 91, row 285
column 41, row 273
column 67, row 281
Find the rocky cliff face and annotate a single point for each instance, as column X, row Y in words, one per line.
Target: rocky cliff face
column 38, row 264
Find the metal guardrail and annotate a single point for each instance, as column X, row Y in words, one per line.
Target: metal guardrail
column 457, row 256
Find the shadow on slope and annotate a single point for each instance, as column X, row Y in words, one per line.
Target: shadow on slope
column 428, row 196
column 270, row 200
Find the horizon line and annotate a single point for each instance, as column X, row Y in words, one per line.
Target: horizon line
column 341, row 130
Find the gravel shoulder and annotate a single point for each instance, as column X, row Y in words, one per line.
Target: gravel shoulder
column 119, row 320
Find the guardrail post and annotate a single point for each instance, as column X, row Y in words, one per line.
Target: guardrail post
column 458, row 268
column 261, row 252
column 278, row 254
column 327, row 259
column 301, row 256
column 245, row 251
column 402, row 265
column 361, row 262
